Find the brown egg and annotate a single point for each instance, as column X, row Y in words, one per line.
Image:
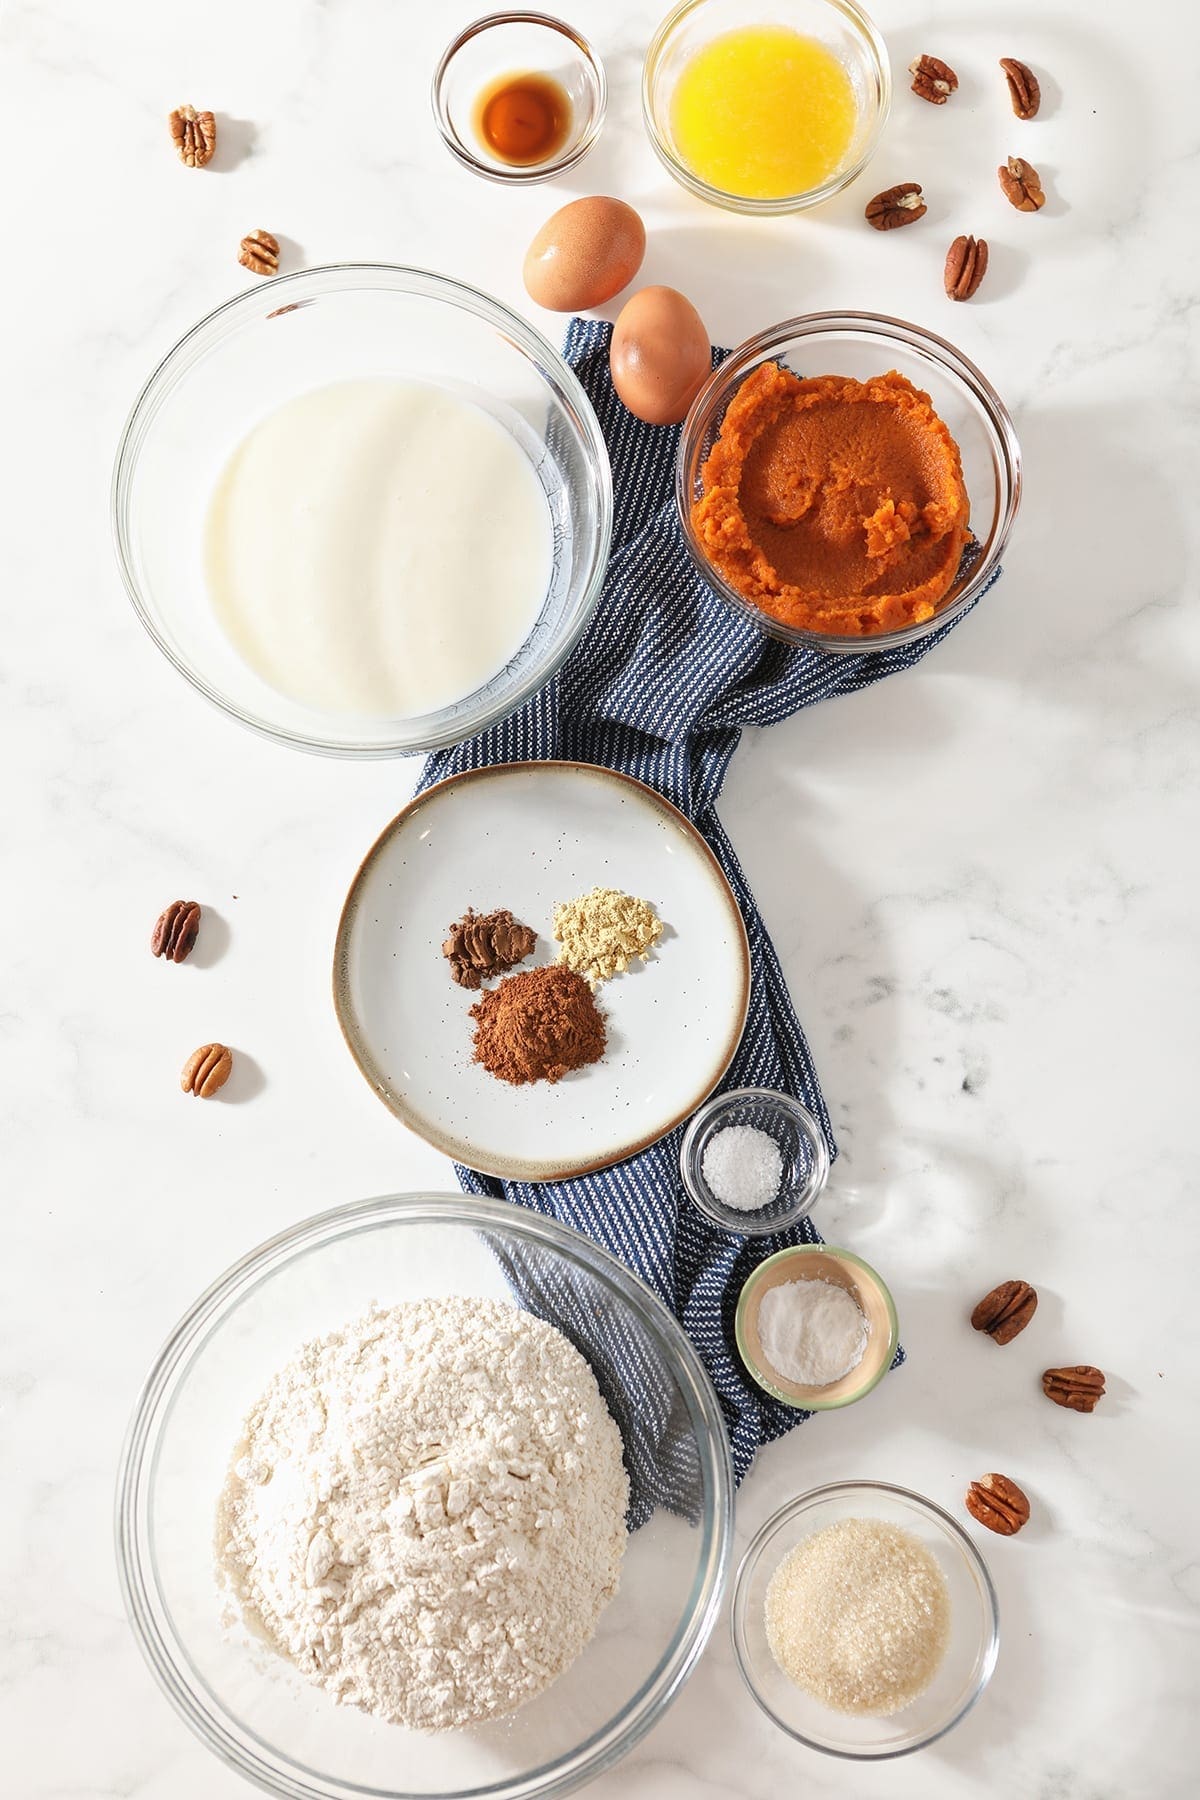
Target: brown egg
column 660, row 355
column 584, row 254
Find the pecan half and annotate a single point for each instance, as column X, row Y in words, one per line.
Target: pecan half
column 1023, row 88
column 966, row 266
column 1005, row 1311
column 1079, row 1386
column 176, row 930
column 932, row 79
column 899, row 205
column 259, row 253
column 998, row 1503
column 1021, row 184
column 194, row 135
column 206, row 1070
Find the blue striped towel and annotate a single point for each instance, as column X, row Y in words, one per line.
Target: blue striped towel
column 635, row 696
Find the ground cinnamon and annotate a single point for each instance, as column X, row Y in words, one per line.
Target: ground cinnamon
column 538, row 1026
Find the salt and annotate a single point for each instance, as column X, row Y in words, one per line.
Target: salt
column 743, row 1167
column 812, row 1332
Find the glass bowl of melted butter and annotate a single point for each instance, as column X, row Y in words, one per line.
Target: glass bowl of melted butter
column 766, row 115
column 365, row 510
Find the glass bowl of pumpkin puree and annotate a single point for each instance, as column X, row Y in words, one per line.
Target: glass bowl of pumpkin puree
column 848, row 481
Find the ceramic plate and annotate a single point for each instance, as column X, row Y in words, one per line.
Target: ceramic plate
column 528, row 836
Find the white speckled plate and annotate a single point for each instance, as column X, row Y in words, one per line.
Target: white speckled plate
column 527, row 836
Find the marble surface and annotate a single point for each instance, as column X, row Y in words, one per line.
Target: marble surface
column 981, row 876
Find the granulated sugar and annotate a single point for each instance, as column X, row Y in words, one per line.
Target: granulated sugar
column 426, row 1512
column 858, row 1615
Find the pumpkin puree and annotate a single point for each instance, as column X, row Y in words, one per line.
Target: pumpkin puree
column 834, row 505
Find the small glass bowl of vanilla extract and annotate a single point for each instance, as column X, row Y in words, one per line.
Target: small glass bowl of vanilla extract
column 519, row 97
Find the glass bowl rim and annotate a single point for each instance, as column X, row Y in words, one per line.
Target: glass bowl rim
column 760, row 1376
column 716, row 393
column 754, row 1224
column 296, row 289
column 868, row 34
column 918, row 1503
column 154, row 1407
column 535, row 172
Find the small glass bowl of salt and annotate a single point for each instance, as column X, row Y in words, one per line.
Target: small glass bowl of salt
column 754, row 1161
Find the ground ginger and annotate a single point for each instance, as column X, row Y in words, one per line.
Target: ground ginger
column 603, row 931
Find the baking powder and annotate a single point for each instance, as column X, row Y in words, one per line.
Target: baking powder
column 812, row 1332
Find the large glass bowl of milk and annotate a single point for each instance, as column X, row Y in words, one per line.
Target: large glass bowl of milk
column 366, row 510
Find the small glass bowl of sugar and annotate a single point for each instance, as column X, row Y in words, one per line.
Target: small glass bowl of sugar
column 754, row 1161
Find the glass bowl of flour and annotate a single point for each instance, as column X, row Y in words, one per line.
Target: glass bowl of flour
column 427, row 1496
column 363, row 509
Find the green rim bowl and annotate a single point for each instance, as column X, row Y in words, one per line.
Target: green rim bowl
column 805, row 1262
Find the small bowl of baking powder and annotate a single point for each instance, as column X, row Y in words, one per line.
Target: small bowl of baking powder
column 816, row 1327
column 754, row 1161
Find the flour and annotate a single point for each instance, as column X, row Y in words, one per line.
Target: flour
column 426, row 1511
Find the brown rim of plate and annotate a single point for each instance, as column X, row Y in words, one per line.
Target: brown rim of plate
column 515, row 1168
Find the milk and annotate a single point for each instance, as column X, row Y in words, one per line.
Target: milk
column 379, row 547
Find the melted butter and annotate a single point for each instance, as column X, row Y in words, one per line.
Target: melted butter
column 763, row 112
